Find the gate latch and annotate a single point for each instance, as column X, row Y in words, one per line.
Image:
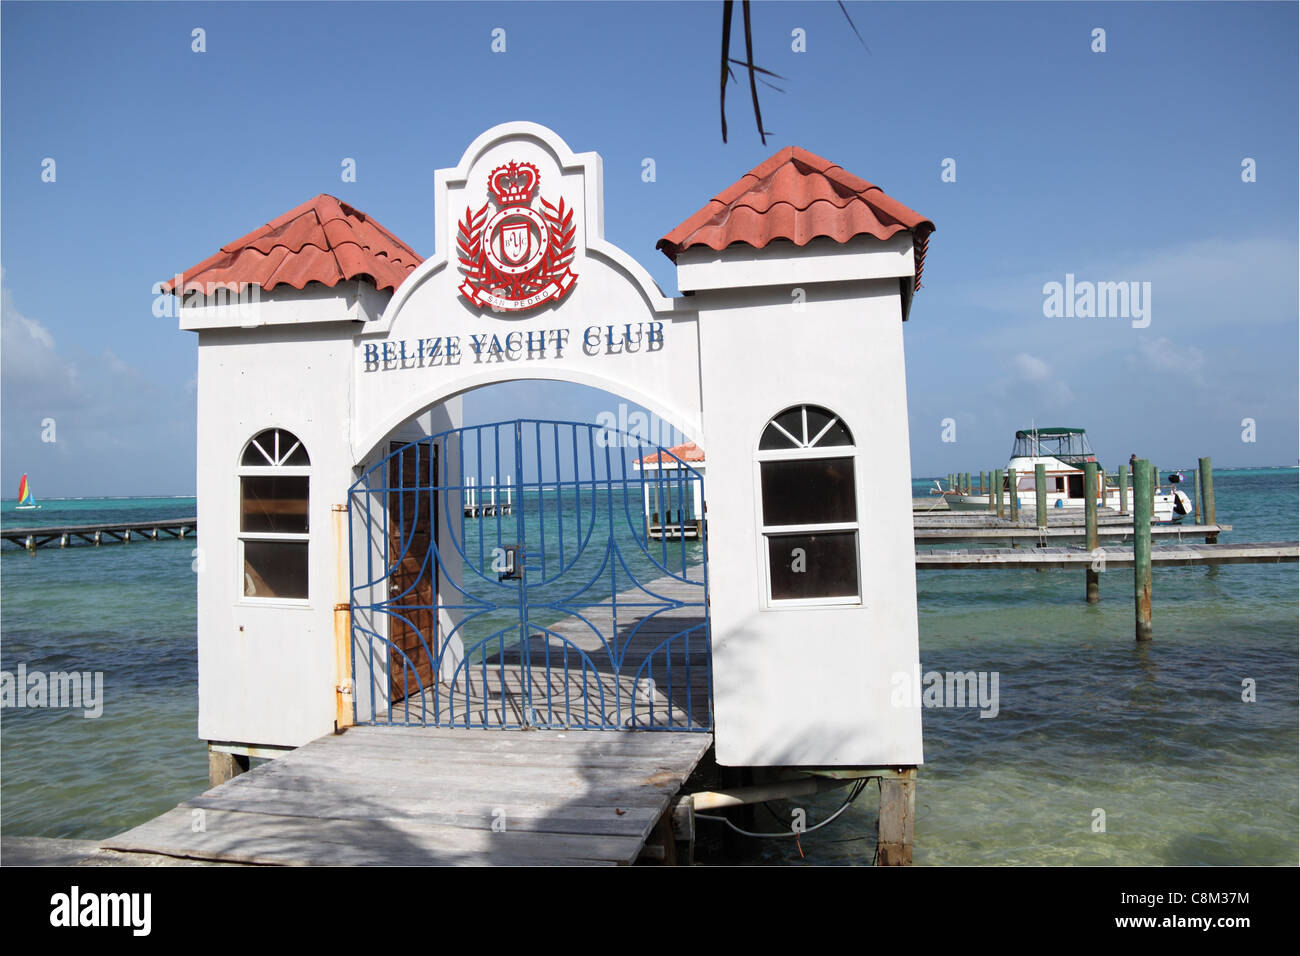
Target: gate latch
column 512, row 563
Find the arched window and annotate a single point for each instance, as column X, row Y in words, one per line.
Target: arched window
column 274, row 494
column 809, row 505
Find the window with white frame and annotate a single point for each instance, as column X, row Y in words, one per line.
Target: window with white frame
column 806, row 460
column 274, row 486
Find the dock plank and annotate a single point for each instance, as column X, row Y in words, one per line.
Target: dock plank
column 1175, row 555
column 430, row 796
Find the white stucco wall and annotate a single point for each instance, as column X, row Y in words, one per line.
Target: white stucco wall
column 809, row 686
column 266, row 668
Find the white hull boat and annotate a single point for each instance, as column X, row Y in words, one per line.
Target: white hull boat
column 1062, row 452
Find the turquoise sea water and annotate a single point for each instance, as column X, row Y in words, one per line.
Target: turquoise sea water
column 1157, row 736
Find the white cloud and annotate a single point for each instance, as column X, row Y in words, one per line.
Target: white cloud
column 33, row 371
column 1031, row 368
column 104, row 409
column 1034, row 383
column 1162, row 355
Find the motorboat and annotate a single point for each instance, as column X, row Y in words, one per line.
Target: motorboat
column 1063, row 452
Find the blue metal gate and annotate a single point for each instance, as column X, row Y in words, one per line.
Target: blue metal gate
column 531, row 573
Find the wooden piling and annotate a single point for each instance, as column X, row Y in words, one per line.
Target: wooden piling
column 993, row 501
column 1123, row 489
column 223, row 766
column 894, row 826
column 1196, row 493
column 999, row 509
column 1091, row 485
column 1013, row 496
column 1142, row 549
column 1040, row 494
column 1206, row 472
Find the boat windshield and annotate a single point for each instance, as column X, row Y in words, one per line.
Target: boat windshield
column 1068, row 444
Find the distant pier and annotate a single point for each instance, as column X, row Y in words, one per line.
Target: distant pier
column 1169, row 555
column 476, row 507
column 1046, row 530
column 96, row 534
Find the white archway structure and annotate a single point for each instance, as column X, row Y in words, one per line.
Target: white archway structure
column 806, row 671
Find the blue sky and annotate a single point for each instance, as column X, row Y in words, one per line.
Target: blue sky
column 1117, row 166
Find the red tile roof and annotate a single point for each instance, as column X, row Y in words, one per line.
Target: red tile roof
column 687, row 452
column 324, row 240
column 800, row 197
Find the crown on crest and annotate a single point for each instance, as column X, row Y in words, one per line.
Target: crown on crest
column 513, row 183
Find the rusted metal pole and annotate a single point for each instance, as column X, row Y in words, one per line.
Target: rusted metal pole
column 1092, row 586
column 1142, row 548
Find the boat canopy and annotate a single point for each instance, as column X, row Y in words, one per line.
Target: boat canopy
column 1070, row 445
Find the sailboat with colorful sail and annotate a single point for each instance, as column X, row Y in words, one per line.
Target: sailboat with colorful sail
column 25, row 500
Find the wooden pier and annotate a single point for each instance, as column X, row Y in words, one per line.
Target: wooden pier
column 993, row 530
column 412, row 796
column 1169, row 555
column 95, row 534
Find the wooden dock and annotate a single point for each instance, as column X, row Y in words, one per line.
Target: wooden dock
column 411, row 796
column 1059, row 532
column 1168, row 555
column 65, row 535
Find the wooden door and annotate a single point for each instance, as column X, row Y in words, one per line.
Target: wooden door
column 413, row 583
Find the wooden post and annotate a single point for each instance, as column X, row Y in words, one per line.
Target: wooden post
column 1092, row 586
column 952, row 485
column 1196, row 494
column 895, row 825
column 1155, row 485
column 993, row 502
column 1142, row 548
column 997, row 490
column 1040, row 494
column 1207, row 489
column 1013, row 499
column 1123, row 489
column 223, row 767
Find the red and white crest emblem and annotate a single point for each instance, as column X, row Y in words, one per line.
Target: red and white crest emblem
column 519, row 257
